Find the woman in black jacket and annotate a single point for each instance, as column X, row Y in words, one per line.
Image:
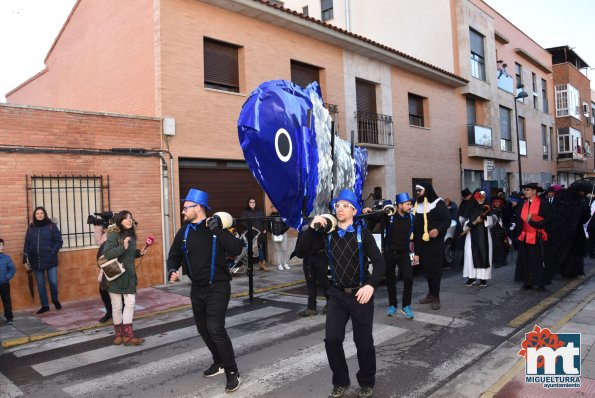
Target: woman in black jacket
column 251, row 212
column 42, row 243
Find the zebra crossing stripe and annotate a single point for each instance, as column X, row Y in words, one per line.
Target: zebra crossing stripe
column 440, row 320
column 191, row 358
column 284, row 298
column 265, row 379
column 95, row 334
column 434, row 319
column 101, row 354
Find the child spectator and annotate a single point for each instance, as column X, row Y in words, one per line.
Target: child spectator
column 7, row 271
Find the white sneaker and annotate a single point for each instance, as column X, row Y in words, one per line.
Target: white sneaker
column 280, row 267
column 286, row 266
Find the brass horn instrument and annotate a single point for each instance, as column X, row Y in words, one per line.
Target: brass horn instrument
column 227, row 220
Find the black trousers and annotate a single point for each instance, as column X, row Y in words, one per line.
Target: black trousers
column 341, row 307
column 209, row 305
column 6, row 301
column 434, row 287
column 107, row 301
column 315, row 269
column 402, row 260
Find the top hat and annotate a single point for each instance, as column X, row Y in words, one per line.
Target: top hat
column 532, row 185
column 197, row 196
column 402, row 198
column 350, row 197
column 465, row 192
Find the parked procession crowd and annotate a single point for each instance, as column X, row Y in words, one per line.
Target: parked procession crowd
column 549, row 230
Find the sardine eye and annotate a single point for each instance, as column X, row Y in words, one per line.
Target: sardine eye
column 283, row 145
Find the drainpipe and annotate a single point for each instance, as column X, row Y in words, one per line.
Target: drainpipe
column 347, row 17
column 173, row 193
column 166, row 216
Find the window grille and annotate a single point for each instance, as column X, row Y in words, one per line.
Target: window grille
column 69, row 201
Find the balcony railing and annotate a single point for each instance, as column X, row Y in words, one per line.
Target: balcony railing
column 505, row 82
column 479, row 135
column 571, row 155
column 374, row 128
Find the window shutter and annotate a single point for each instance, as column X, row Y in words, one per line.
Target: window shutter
column 304, row 74
column 416, row 106
column 365, row 96
column 476, row 42
column 221, row 63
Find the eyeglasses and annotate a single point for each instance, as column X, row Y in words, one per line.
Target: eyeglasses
column 185, row 208
column 343, row 206
column 526, row 189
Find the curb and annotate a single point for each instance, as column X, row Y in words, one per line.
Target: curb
column 37, row 337
column 549, row 301
column 518, row 366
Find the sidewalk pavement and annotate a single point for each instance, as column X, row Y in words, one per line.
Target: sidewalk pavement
column 84, row 314
column 501, row 372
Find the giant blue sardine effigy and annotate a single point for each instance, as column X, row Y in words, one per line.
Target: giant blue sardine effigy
column 290, row 155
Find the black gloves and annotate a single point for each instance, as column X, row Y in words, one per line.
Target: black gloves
column 214, row 223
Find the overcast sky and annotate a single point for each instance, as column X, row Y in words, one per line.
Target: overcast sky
column 28, row 29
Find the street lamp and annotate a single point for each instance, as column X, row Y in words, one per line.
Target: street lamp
column 520, row 94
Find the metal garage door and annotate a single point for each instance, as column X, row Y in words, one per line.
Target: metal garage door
column 229, row 183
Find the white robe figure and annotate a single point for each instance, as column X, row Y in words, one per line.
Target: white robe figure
column 469, row 270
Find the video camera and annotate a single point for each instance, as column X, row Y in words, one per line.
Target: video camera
column 104, row 218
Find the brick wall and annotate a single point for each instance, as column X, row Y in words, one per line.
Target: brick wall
column 102, row 60
column 134, row 185
column 431, row 152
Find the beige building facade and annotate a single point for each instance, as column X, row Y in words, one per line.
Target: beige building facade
column 472, row 40
column 392, row 23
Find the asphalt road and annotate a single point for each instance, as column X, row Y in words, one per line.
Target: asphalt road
column 279, row 353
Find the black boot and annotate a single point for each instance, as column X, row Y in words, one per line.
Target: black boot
column 106, row 317
column 42, row 310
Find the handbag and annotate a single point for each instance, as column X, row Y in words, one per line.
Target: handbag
column 112, row 269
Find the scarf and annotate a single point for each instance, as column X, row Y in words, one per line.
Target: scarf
column 425, row 236
column 529, row 233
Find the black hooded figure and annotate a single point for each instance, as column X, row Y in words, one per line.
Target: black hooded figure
column 567, row 254
column 430, row 225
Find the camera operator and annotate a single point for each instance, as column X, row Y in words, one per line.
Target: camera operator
column 101, row 221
